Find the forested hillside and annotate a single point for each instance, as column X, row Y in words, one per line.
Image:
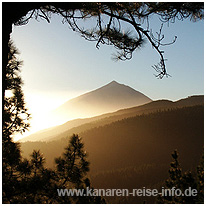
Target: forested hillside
column 135, row 152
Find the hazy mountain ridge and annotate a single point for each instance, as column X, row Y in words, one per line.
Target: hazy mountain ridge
column 80, row 125
column 159, row 128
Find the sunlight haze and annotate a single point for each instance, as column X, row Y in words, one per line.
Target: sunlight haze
column 60, row 65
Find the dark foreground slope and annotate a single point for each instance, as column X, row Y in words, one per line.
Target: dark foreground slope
column 135, row 152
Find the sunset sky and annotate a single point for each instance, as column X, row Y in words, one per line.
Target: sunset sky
column 59, row 65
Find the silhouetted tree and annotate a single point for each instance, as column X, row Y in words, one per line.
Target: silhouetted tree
column 15, row 120
column 15, row 114
column 72, row 169
column 73, row 165
column 200, row 181
column 183, row 181
column 37, row 161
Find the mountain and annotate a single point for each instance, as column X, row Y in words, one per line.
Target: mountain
column 109, row 98
column 81, row 125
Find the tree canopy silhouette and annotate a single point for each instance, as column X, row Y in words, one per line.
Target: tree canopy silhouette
column 182, row 181
column 107, row 28
column 15, row 120
column 15, row 113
